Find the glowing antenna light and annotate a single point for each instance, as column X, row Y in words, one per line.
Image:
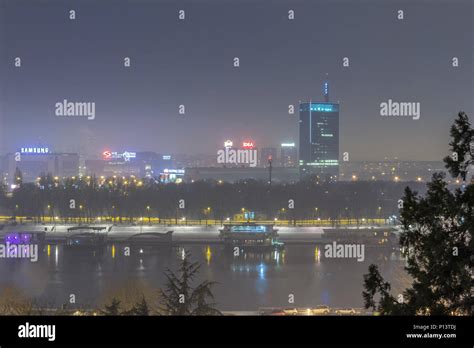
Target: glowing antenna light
column 326, row 91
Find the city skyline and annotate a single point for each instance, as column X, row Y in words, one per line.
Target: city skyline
column 168, row 161
column 190, row 62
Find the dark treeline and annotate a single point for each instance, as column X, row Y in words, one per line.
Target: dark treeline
column 131, row 198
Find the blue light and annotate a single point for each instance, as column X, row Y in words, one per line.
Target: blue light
column 261, row 228
column 34, row 150
column 261, row 271
column 324, row 107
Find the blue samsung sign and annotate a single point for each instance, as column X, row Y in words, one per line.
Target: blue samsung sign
column 34, row 150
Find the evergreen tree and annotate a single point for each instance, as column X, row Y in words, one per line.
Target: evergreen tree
column 140, row 308
column 437, row 242
column 180, row 298
column 200, row 296
column 113, row 308
column 462, row 152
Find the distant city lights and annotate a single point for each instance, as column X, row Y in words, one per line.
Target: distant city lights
column 34, row 150
column 248, row 144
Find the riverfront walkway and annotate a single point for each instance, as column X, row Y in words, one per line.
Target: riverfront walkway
column 181, row 234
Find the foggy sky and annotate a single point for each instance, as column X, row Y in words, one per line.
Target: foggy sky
column 190, row 62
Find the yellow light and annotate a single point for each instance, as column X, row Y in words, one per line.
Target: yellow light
column 317, row 255
column 208, row 255
column 113, row 251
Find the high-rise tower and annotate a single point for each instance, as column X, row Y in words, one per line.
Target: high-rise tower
column 319, row 138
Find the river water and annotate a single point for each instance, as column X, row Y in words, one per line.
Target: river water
column 244, row 283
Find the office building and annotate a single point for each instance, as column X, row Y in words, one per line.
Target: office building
column 319, row 138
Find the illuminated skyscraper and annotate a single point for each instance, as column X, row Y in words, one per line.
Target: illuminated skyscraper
column 289, row 155
column 319, row 138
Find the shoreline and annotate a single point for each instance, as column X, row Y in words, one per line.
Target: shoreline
column 190, row 234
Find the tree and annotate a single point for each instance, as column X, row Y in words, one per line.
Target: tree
column 14, row 302
column 3, row 197
column 140, row 308
column 462, row 156
column 437, row 242
column 113, row 308
column 180, row 298
column 200, row 296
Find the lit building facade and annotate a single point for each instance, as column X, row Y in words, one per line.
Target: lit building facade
column 288, row 155
column 34, row 162
column 319, row 138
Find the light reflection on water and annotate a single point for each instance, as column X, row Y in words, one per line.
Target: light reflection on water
column 245, row 282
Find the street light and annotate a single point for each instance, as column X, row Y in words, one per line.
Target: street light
column 149, row 217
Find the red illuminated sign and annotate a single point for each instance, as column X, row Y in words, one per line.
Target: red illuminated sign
column 248, row 145
column 107, row 155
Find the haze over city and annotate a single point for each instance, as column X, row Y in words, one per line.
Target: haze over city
column 244, row 159
column 190, row 63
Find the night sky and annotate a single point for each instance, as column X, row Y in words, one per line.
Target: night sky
column 190, row 62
